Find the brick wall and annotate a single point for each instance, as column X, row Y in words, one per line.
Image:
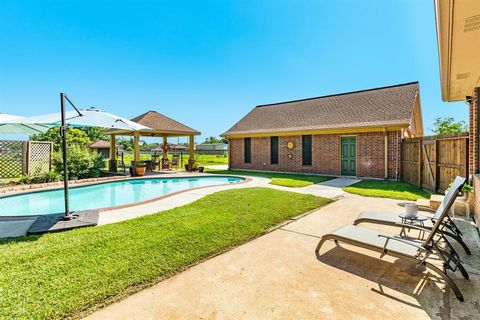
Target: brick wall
column 325, row 154
column 476, row 198
column 473, row 154
column 473, row 137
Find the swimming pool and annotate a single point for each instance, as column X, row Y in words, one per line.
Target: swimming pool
column 104, row 195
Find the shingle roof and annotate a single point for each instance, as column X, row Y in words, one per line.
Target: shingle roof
column 386, row 106
column 159, row 122
column 100, row 144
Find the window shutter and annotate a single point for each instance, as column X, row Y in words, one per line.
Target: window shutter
column 247, row 150
column 274, row 150
column 307, row 150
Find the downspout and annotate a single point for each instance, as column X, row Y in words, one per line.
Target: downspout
column 229, row 154
column 398, row 147
column 385, row 133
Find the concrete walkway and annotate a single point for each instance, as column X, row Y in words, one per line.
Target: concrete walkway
column 218, row 166
column 331, row 189
column 278, row 276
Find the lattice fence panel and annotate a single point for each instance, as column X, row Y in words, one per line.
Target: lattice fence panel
column 12, row 155
column 39, row 157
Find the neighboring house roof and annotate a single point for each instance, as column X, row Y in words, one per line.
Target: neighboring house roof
column 100, row 144
column 159, row 122
column 384, row 107
column 212, row 146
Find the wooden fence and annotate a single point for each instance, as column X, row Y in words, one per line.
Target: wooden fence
column 433, row 162
column 24, row 157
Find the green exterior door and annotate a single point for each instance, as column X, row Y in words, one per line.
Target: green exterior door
column 349, row 156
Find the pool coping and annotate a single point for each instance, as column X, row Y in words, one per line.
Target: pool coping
column 106, row 209
column 168, row 195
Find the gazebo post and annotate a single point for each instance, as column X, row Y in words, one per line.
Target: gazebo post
column 112, row 165
column 136, row 149
column 191, row 151
column 165, row 148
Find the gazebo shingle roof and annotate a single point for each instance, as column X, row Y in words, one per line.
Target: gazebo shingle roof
column 159, row 122
column 386, row 106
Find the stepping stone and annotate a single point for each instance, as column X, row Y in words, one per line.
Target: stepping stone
column 436, row 200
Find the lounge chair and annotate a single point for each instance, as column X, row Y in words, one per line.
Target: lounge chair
column 447, row 226
column 406, row 248
column 123, row 166
column 155, row 161
column 175, row 160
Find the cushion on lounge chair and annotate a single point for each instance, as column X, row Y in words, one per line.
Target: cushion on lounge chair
column 370, row 238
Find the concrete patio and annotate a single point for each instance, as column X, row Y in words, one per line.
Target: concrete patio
column 278, row 276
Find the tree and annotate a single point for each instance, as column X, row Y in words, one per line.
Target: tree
column 212, row 140
column 75, row 136
column 448, row 125
column 96, row 133
column 127, row 145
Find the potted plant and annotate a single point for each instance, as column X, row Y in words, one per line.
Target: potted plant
column 465, row 192
column 140, row 169
column 193, row 166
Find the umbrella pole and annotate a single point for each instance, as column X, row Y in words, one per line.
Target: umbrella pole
column 63, row 133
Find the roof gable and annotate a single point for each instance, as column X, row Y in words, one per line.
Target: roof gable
column 158, row 121
column 386, row 106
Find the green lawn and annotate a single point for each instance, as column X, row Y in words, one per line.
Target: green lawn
column 203, row 159
column 387, row 189
column 70, row 274
column 279, row 179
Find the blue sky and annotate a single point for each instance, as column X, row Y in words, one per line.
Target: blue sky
column 207, row 63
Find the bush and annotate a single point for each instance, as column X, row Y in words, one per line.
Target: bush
column 41, row 178
column 81, row 163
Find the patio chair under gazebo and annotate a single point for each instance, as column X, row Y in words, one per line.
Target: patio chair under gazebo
column 161, row 126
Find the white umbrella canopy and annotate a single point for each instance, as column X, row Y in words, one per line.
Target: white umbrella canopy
column 10, row 124
column 89, row 118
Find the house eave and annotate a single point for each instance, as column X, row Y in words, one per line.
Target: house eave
column 316, row 131
column 458, row 36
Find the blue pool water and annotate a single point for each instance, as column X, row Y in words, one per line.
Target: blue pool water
column 103, row 195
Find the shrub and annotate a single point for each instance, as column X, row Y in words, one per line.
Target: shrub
column 81, row 163
column 41, row 178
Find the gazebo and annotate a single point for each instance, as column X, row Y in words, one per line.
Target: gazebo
column 162, row 126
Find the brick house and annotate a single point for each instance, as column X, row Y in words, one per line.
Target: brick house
column 458, row 36
column 352, row 134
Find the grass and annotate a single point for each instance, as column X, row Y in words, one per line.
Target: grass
column 280, row 179
column 387, row 189
column 8, row 180
column 70, row 274
column 203, row 159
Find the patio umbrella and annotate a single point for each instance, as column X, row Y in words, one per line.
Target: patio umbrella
column 79, row 118
column 90, row 117
column 10, row 124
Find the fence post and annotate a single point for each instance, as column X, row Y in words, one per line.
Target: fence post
column 51, row 157
column 26, row 156
column 420, row 164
